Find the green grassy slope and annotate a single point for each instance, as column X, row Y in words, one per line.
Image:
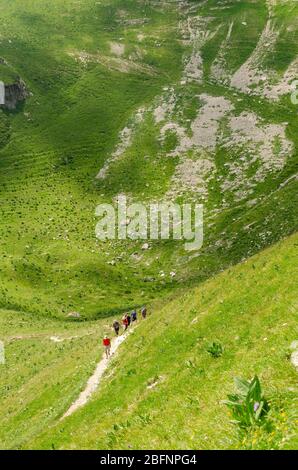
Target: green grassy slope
column 251, row 310
column 53, row 148
column 47, row 363
column 211, row 82
column 84, row 93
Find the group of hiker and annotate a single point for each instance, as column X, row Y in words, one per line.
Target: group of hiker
column 127, row 320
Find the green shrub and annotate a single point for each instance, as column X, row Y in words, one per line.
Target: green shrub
column 215, row 349
column 248, row 406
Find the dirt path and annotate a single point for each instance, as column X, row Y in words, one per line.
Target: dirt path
column 95, row 378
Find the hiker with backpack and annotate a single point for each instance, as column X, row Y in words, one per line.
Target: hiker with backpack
column 144, row 312
column 125, row 322
column 134, row 316
column 128, row 319
column 107, row 346
column 116, row 326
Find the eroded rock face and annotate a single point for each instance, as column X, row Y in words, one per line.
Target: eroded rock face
column 14, row 94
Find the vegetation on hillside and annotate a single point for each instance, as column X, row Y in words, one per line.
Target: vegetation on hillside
column 187, row 101
column 165, row 391
column 90, row 67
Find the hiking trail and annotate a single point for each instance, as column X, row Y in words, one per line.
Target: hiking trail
column 95, row 379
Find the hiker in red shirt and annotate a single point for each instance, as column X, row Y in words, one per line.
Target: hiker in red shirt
column 125, row 322
column 107, row 346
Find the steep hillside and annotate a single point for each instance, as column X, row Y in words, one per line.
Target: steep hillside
column 165, row 389
column 47, row 362
column 189, row 101
column 181, row 100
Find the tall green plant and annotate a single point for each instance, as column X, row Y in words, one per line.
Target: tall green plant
column 249, row 407
column 215, row 349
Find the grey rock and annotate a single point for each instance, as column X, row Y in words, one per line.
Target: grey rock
column 15, row 94
column 73, row 315
column 294, row 359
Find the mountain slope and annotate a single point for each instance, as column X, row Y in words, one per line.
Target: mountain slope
column 47, row 363
column 148, row 99
column 186, row 101
column 164, row 390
